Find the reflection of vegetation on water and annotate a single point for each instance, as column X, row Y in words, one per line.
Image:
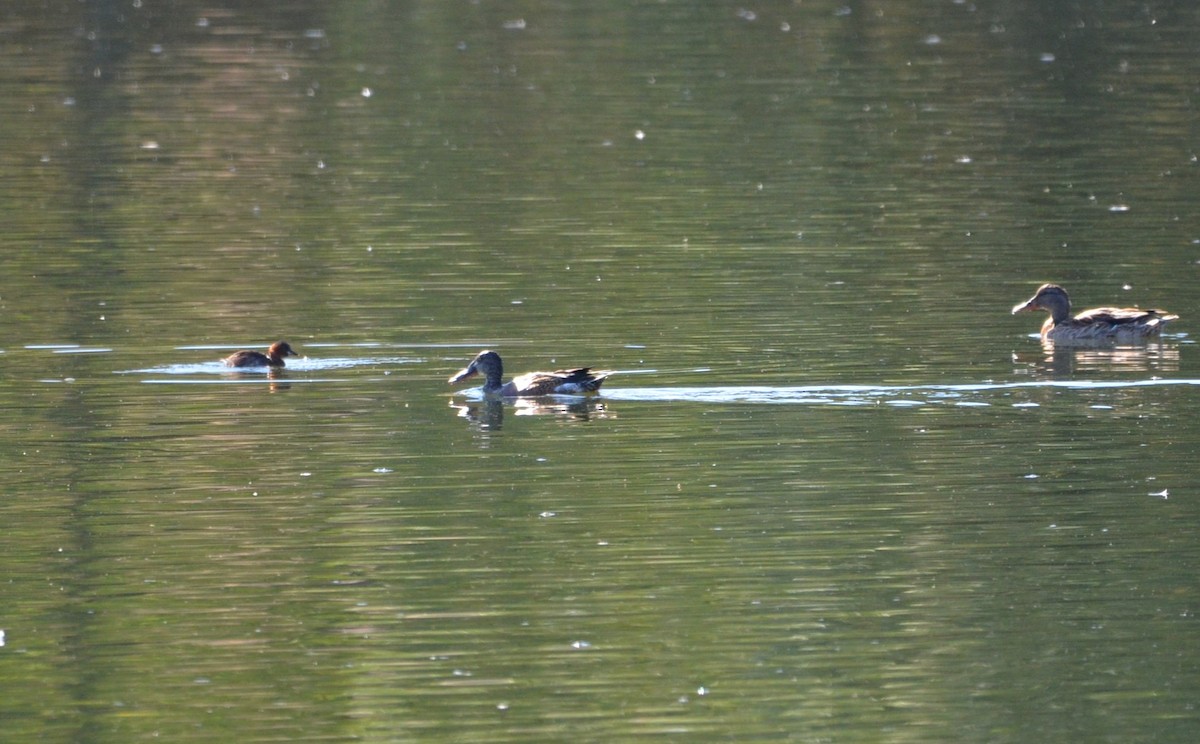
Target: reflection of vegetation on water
column 820, row 212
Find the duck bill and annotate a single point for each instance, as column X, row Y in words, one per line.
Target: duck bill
column 1024, row 306
column 463, row 374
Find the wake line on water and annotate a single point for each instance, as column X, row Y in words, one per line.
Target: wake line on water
column 300, row 366
column 864, row 394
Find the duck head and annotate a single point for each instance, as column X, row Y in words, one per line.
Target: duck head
column 1051, row 298
column 486, row 363
column 281, row 349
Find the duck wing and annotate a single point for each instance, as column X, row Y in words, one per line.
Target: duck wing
column 562, row 381
column 1122, row 316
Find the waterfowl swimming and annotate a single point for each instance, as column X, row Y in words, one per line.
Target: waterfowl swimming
column 273, row 357
column 562, row 382
column 1118, row 324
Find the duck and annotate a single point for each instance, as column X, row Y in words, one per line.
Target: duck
column 273, row 357
column 578, row 381
column 1115, row 324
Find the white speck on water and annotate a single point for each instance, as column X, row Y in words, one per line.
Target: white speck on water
column 366, row 92
column 639, row 135
column 382, row 470
column 548, row 514
column 1031, row 476
column 1119, row 208
column 1047, row 57
column 580, row 644
column 1163, row 494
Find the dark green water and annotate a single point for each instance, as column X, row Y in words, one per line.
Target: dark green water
column 835, row 493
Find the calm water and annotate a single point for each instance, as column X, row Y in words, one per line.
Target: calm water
column 835, row 493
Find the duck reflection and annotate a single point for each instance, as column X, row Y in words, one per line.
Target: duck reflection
column 277, row 379
column 1066, row 361
column 489, row 413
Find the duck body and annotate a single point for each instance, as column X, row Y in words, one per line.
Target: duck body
column 273, row 357
column 1101, row 324
column 580, row 381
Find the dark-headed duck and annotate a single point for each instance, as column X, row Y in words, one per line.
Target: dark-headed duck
column 273, row 357
column 562, row 382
